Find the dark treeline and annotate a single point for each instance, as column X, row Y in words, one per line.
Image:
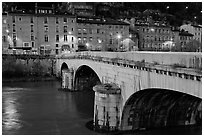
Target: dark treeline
column 18, row 68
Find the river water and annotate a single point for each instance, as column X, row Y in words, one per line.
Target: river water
column 38, row 108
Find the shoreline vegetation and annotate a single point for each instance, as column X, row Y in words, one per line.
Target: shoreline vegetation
column 27, row 68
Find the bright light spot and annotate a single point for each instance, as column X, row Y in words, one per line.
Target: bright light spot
column 87, row 44
column 167, row 7
column 99, row 41
column 186, row 7
column 119, row 36
column 195, row 17
column 152, row 29
column 69, row 32
column 7, row 31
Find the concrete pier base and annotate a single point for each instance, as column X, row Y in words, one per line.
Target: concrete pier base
column 67, row 80
column 107, row 107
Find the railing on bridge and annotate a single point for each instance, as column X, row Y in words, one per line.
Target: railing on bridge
column 176, row 71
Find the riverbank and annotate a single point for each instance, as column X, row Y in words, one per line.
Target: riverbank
column 29, row 79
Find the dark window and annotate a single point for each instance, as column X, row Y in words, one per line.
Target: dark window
column 65, row 20
column 98, row 30
column 13, row 19
column 46, row 28
column 4, row 38
column 65, row 29
column 57, row 38
column 33, row 44
column 32, row 38
column 45, row 20
column 46, row 38
column 65, row 37
column 57, row 29
column 31, row 28
column 31, row 19
column 57, row 20
column 57, row 51
column 14, row 28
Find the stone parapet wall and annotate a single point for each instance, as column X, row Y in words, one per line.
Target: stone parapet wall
column 182, row 59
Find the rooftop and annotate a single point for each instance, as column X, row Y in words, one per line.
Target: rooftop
column 97, row 20
column 41, row 14
column 185, row 33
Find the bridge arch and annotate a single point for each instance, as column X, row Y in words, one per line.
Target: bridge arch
column 155, row 108
column 86, row 78
column 64, row 66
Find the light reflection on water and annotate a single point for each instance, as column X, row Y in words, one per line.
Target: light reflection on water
column 10, row 113
column 39, row 108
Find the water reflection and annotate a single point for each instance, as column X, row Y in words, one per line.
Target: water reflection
column 11, row 115
column 38, row 108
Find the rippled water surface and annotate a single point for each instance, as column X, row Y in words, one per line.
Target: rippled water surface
column 38, row 108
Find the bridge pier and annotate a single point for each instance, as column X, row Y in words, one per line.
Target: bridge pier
column 107, row 107
column 67, row 79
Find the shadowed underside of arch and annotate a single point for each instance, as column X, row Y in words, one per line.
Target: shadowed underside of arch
column 85, row 78
column 155, row 108
column 63, row 67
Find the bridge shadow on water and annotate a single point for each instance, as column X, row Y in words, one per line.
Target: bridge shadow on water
column 176, row 130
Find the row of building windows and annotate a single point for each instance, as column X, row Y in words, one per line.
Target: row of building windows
column 155, row 30
column 85, row 39
column 65, row 20
column 185, row 38
column 156, row 38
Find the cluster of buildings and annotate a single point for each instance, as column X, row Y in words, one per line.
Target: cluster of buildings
column 48, row 33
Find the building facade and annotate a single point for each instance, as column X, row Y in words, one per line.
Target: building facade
column 82, row 8
column 101, row 34
column 51, row 34
column 185, row 38
column 196, row 30
column 40, row 33
column 154, row 37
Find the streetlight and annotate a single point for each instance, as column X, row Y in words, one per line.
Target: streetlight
column 118, row 37
column 87, row 46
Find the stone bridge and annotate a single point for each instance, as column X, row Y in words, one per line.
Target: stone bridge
column 156, row 89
